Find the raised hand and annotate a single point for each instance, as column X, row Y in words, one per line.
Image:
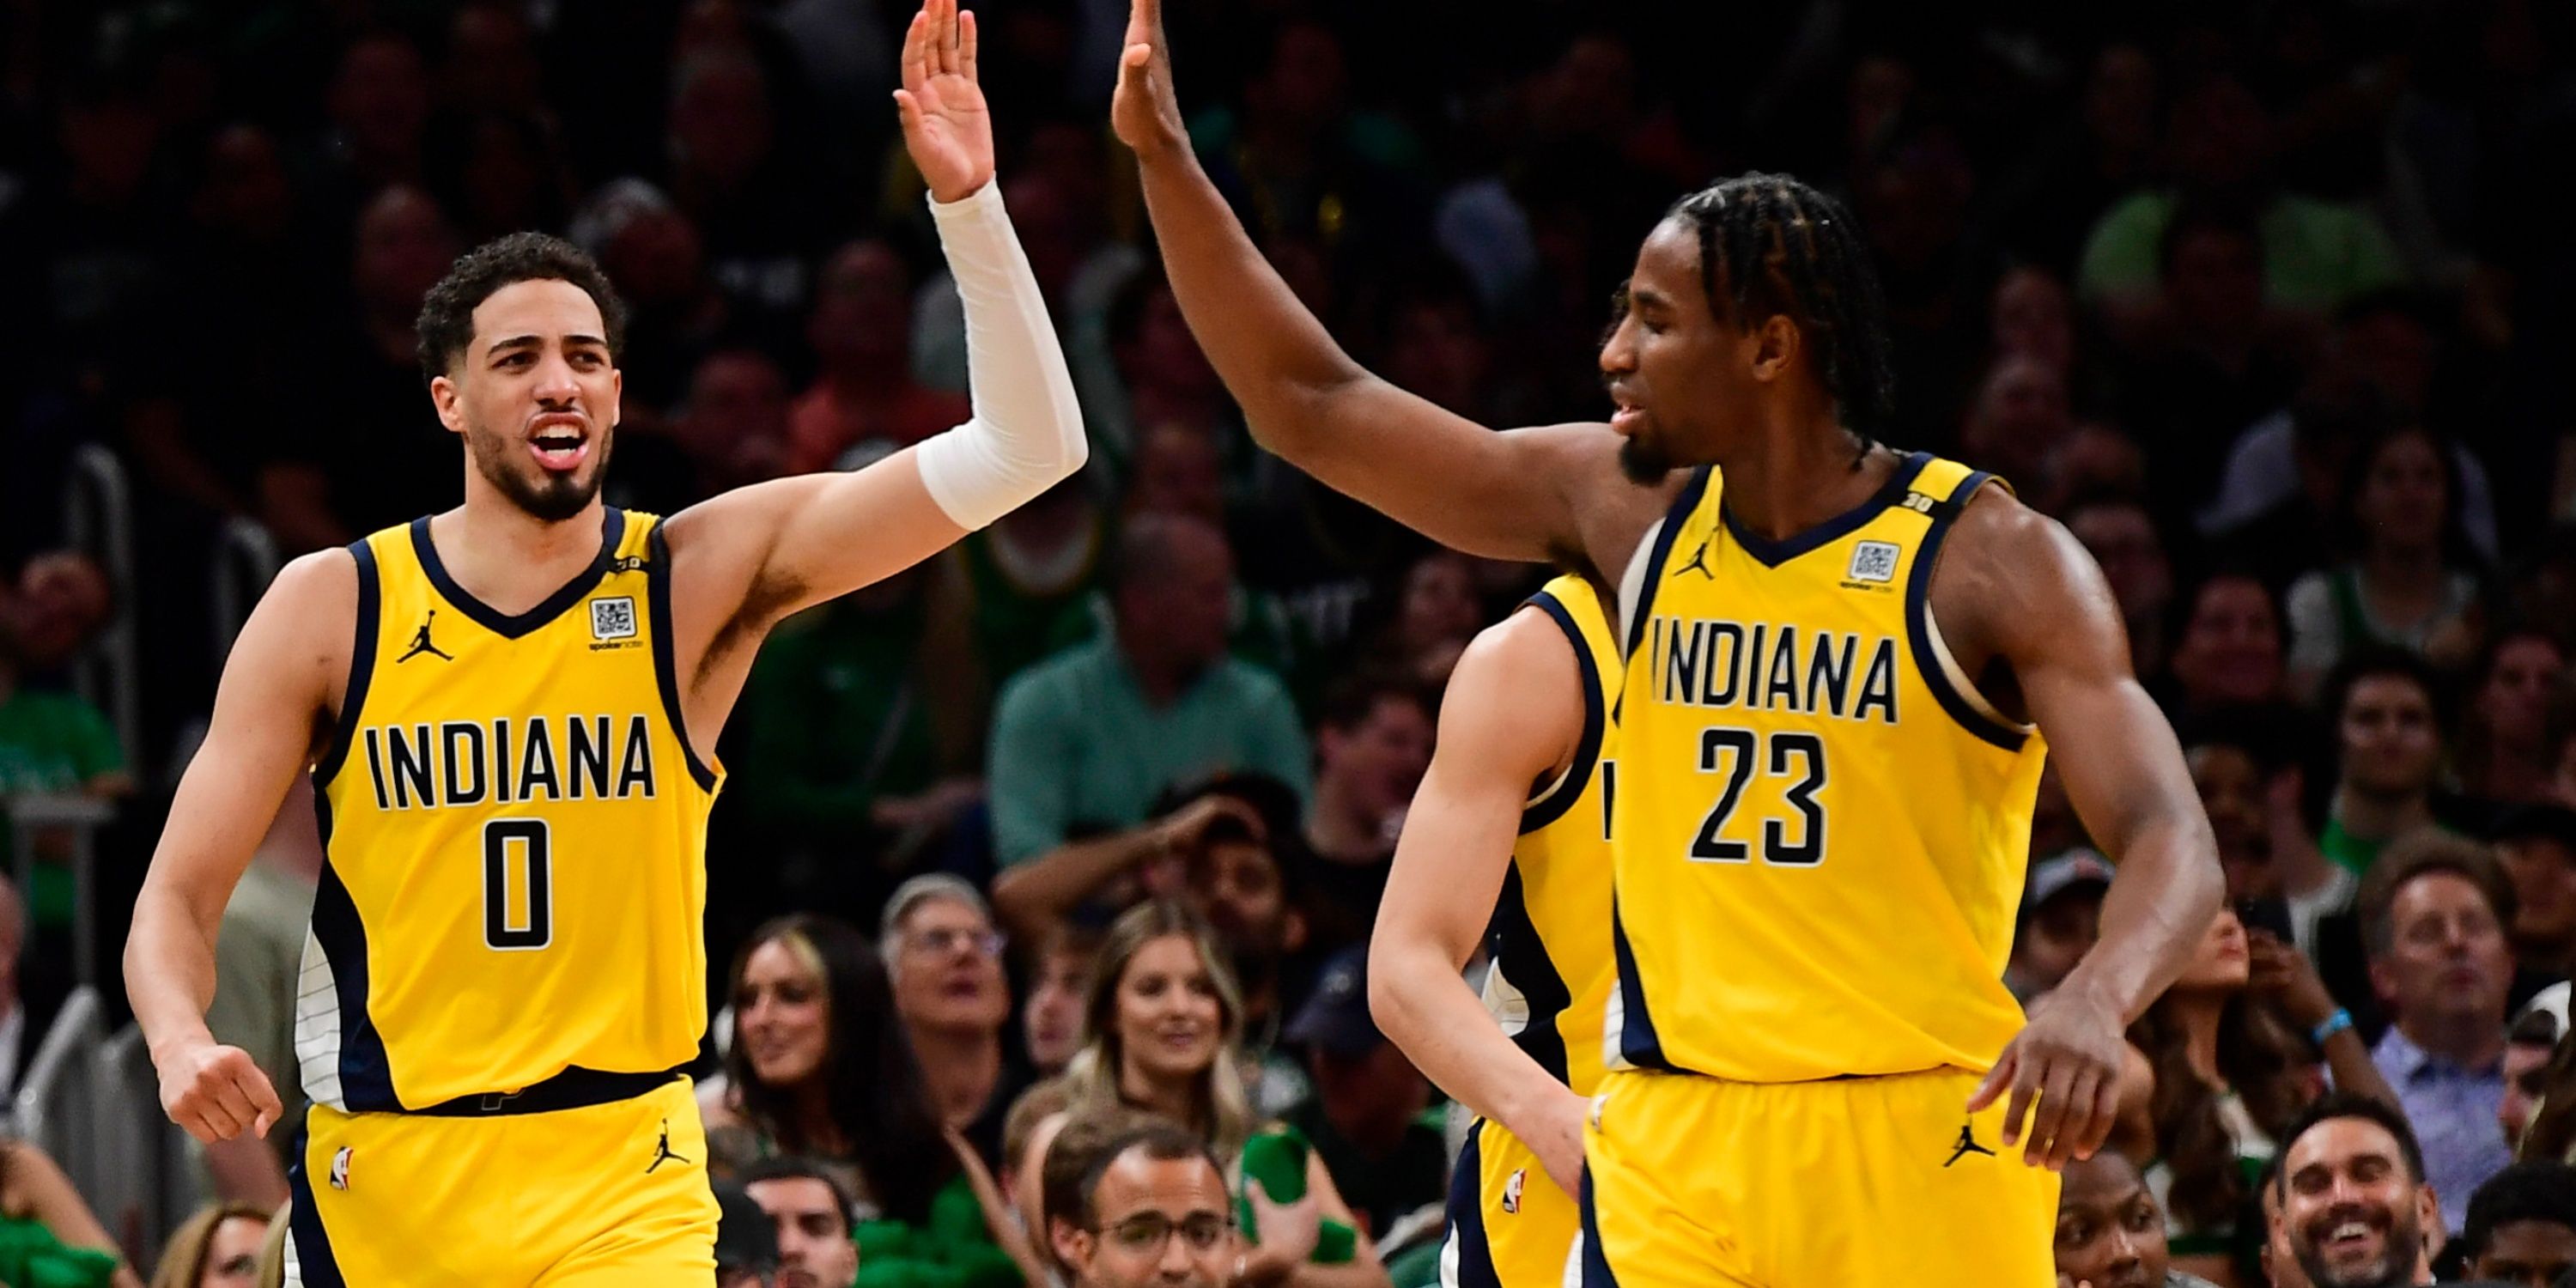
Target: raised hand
column 945, row 124
column 1144, row 111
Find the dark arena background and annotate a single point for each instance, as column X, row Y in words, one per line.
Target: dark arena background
column 2272, row 305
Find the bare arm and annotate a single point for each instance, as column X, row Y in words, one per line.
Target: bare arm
column 48, row 1196
column 1031, row 897
column 1503, row 496
column 2031, row 596
column 269, row 709
column 1514, row 713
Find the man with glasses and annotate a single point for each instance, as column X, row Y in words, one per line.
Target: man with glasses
column 1148, row 1207
column 944, row 958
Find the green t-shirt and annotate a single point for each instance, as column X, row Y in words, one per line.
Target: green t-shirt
column 954, row 1250
column 837, row 715
column 51, row 743
column 2316, row 254
column 2351, row 851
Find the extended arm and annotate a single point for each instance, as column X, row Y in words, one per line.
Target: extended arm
column 275, row 690
column 1513, row 714
column 1504, row 496
column 2039, row 599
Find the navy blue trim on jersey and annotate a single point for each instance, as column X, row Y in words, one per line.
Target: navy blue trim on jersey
column 315, row 1264
column 1521, row 955
column 1467, row 1215
column 666, row 672
column 612, row 530
column 362, row 664
column 1638, row 1044
column 1587, row 749
column 574, row 1088
column 1675, row 520
column 1919, row 627
column 1772, row 554
column 1596, row 1262
column 366, row 1072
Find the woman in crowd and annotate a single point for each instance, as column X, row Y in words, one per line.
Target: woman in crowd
column 819, row 1066
column 217, row 1248
column 47, row 1234
column 1162, row 1020
column 2227, row 649
column 2214, row 1075
column 2503, row 753
column 2413, row 585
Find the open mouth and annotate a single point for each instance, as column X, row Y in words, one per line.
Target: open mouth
column 1626, row 414
column 559, row 443
column 2349, row 1240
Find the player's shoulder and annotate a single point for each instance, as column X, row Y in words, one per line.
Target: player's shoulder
column 1518, row 681
column 2017, row 576
column 324, row 581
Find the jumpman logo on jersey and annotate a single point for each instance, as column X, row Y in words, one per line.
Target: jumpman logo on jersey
column 1699, row 560
column 662, row 1151
column 420, row 643
column 1967, row 1145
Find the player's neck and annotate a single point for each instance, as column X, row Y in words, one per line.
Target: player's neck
column 1798, row 472
column 507, row 557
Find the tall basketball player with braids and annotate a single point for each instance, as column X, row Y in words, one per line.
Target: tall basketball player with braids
column 509, row 710
column 1842, row 663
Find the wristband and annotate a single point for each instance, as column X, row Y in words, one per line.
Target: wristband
column 2332, row 1025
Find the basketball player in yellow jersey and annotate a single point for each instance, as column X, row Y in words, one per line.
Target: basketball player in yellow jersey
column 1810, row 1082
column 508, row 710
column 1511, row 827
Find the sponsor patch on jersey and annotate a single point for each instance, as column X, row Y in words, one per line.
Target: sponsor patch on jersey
column 1873, row 561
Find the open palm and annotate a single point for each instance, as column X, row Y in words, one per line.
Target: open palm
column 945, row 124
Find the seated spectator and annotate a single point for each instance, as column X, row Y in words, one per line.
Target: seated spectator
column 861, row 333
column 1051, row 1018
column 2522, row 1225
column 944, row 959
column 2528, row 1046
column 746, row 1240
column 2433, row 916
column 1147, row 1207
column 1090, row 737
column 2537, row 844
column 1250, row 885
column 2389, row 754
column 821, row 1067
column 259, row 971
column 2214, row 1076
column 816, row 1232
column 1369, row 1120
column 2110, row 1232
column 1164, row 1020
column 1372, row 743
column 2061, row 916
column 216, row 1248
column 53, row 741
column 2251, row 795
column 2503, row 753
column 48, row 1235
column 2355, row 1207
column 2121, row 536
column 2228, row 650
column 2279, row 1262
column 2412, row 587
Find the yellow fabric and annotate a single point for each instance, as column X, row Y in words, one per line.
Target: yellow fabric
column 1551, row 975
column 607, row 1194
column 1697, row 1182
column 516, row 840
column 1524, row 1223
column 1818, row 859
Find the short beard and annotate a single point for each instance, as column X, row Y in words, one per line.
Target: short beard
column 1644, row 460
column 549, row 498
column 2405, row 1244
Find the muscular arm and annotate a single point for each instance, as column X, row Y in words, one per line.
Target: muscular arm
column 1503, row 496
column 1514, row 714
column 269, row 708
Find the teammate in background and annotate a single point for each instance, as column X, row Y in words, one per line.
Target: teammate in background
column 505, row 970
column 1511, row 828
column 1842, row 659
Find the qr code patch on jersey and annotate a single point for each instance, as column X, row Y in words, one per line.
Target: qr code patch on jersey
column 612, row 619
column 1874, row 561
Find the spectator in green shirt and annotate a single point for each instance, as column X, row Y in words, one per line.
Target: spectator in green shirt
column 1088, row 739
column 52, row 743
column 2390, row 743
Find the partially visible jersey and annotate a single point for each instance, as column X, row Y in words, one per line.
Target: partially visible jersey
column 514, row 830
column 1550, row 980
column 1821, row 829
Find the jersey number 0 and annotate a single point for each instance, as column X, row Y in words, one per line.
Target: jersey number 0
column 529, row 837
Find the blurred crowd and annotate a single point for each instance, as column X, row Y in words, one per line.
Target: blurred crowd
column 1047, row 867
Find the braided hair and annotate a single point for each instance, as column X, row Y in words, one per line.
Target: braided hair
column 1779, row 246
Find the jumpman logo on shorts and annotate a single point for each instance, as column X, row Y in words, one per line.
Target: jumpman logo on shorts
column 1699, row 560
column 1967, row 1145
column 662, row 1151
column 420, row 643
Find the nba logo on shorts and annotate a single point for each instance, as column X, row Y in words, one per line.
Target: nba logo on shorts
column 1873, row 561
column 340, row 1169
column 1512, row 1190
column 613, row 619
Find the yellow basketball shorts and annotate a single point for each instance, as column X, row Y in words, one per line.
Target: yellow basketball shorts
column 606, row 1194
column 1695, row 1181
column 1510, row 1226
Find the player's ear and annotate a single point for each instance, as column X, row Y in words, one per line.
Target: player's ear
column 1775, row 346
column 444, row 395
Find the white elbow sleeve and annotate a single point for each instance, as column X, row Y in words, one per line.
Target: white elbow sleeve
column 1026, row 434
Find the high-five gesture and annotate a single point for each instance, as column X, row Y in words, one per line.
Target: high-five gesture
column 945, row 124
column 1144, row 110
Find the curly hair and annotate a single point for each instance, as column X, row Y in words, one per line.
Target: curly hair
column 446, row 323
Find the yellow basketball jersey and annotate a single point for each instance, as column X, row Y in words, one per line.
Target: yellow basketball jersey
column 514, row 827
column 1822, row 829
column 1550, row 980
